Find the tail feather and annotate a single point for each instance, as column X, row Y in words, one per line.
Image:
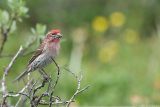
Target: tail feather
column 21, row 75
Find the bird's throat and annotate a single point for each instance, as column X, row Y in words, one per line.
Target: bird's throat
column 56, row 40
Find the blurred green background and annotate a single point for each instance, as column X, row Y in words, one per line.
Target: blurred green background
column 115, row 43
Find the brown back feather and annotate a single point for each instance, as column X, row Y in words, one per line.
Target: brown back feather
column 37, row 53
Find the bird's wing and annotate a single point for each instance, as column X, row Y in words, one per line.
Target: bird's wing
column 38, row 52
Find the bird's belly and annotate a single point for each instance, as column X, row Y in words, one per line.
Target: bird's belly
column 41, row 62
column 45, row 62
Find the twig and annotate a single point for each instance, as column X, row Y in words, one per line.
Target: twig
column 10, row 94
column 58, row 73
column 4, row 91
column 43, row 102
column 54, row 86
column 4, row 88
column 5, row 34
column 34, row 100
column 29, row 44
column 22, row 100
column 11, row 55
column 13, row 60
column 78, row 90
column 50, row 99
column 72, row 73
column 40, row 86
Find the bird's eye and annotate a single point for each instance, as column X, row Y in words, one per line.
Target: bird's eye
column 53, row 36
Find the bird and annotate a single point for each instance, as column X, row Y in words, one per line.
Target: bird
column 44, row 55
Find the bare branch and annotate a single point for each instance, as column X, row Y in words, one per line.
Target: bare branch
column 21, row 91
column 4, row 91
column 54, row 86
column 11, row 55
column 33, row 94
column 11, row 94
column 40, row 86
column 78, row 90
column 34, row 99
column 13, row 60
column 4, row 88
column 58, row 73
column 76, row 93
column 43, row 102
column 5, row 33
column 29, row 44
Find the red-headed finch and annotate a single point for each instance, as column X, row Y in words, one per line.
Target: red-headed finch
column 48, row 50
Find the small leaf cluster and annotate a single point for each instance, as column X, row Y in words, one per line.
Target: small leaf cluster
column 15, row 12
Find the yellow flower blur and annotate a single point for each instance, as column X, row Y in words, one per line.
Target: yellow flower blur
column 108, row 52
column 100, row 24
column 131, row 36
column 117, row 19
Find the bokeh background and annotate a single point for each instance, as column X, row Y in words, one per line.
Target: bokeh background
column 115, row 43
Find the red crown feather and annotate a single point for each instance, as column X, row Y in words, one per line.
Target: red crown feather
column 55, row 31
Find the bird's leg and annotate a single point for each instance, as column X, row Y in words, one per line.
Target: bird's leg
column 40, row 71
column 49, row 80
column 49, row 77
column 44, row 74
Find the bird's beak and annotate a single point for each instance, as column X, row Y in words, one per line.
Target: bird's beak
column 59, row 35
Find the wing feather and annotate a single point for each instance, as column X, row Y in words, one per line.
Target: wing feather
column 38, row 52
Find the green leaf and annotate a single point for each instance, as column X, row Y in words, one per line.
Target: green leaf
column 40, row 29
column 13, row 4
column 23, row 10
column 13, row 27
column 4, row 17
column 18, row 8
column 33, row 31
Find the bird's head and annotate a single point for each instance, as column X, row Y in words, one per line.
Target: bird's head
column 54, row 35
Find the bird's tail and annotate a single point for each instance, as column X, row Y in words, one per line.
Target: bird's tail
column 21, row 75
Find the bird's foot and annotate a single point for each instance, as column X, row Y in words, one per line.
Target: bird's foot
column 46, row 93
column 46, row 77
